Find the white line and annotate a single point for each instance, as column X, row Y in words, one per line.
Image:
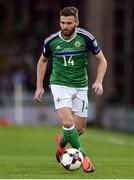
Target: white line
column 114, row 140
column 118, row 141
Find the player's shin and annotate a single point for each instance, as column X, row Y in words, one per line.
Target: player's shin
column 63, row 142
column 71, row 135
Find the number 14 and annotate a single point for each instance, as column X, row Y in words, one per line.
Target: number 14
column 68, row 61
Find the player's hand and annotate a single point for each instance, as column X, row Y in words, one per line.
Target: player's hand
column 98, row 88
column 38, row 94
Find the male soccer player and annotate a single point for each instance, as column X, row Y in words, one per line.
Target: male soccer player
column 68, row 49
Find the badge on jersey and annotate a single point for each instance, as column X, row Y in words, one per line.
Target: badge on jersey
column 77, row 44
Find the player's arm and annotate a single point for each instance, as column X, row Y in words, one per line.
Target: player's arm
column 41, row 70
column 101, row 70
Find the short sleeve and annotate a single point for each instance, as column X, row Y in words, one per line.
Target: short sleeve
column 90, row 40
column 93, row 46
column 46, row 49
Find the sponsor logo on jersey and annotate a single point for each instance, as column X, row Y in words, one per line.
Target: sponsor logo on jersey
column 58, row 47
column 77, row 44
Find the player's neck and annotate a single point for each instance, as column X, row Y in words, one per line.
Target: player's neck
column 68, row 38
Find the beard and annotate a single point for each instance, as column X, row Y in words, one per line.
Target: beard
column 68, row 33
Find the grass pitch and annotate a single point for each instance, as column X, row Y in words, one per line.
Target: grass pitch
column 29, row 152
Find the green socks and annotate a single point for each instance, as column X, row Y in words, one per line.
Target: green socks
column 63, row 141
column 71, row 135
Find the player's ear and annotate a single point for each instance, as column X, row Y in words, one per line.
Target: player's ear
column 77, row 22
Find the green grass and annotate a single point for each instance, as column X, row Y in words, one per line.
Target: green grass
column 29, row 152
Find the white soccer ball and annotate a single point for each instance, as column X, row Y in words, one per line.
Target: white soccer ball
column 71, row 159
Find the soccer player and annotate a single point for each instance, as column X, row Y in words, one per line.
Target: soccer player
column 68, row 50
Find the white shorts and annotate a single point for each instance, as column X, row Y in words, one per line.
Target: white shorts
column 74, row 98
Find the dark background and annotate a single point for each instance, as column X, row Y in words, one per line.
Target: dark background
column 24, row 24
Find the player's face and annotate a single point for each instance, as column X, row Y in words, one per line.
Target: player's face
column 68, row 25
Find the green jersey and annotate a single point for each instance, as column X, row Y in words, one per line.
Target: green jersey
column 70, row 57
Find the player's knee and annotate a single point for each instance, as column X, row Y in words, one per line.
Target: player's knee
column 67, row 124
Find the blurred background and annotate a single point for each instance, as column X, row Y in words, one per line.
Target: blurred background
column 24, row 24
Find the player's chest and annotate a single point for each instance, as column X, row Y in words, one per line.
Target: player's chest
column 61, row 48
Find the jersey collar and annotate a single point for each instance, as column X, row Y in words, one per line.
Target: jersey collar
column 68, row 39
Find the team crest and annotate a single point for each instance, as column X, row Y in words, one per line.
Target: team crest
column 77, row 44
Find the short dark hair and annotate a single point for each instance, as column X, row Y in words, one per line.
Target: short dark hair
column 69, row 11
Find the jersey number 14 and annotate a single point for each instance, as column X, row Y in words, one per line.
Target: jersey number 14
column 68, row 60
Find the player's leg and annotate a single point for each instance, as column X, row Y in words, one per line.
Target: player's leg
column 65, row 116
column 80, row 109
column 80, row 124
column 72, row 124
column 70, row 133
column 62, row 98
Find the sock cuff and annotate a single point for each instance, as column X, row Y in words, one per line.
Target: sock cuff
column 68, row 129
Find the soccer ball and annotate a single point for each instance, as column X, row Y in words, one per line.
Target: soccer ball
column 71, row 159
